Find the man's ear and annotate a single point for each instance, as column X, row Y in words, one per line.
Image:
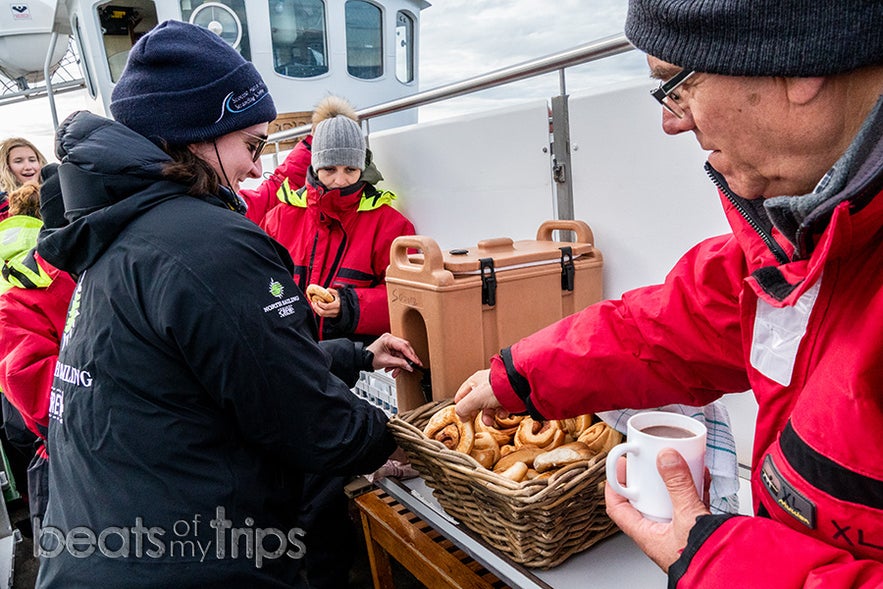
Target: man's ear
column 803, row 90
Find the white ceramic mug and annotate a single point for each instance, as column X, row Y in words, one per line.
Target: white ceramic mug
column 648, row 433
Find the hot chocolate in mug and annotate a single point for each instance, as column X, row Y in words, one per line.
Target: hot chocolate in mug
column 648, row 433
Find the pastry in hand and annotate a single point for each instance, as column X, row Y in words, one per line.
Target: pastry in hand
column 318, row 294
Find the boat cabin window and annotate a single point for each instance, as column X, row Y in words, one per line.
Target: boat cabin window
column 228, row 20
column 364, row 40
column 404, row 47
column 122, row 23
column 297, row 29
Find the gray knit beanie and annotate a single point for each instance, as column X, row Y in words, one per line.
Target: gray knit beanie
column 792, row 38
column 338, row 141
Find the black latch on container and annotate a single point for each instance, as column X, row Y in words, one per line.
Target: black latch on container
column 488, row 282
column 567, row 269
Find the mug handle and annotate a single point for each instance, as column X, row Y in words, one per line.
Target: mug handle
column 612, row 457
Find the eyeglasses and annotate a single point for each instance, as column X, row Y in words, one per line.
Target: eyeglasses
column 666, row 96
column 255, row 148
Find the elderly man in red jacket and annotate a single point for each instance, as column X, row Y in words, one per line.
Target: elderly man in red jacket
column 786, row 97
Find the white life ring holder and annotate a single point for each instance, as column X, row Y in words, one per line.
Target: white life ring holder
column 214, row 25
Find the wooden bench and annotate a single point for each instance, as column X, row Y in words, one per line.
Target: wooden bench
column 393, row 530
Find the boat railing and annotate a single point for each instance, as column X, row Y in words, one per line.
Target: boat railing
column 584, row 53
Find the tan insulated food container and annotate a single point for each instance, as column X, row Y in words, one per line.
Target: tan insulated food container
column 461, row 307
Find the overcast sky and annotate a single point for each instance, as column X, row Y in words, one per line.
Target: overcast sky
column 459, row 39
column 465, row 38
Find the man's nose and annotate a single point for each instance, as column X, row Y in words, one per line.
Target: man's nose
column 673, row 125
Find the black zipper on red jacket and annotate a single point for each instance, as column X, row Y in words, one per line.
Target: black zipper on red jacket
column 309, row 275
column 337, row 258
column 766, row 236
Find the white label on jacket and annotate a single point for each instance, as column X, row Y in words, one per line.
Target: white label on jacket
column 778, row 332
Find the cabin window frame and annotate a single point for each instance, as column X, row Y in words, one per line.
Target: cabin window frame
column 365, row 71
column 409, row 50
column 308, row 48
column 85, row 56
column 118, row 36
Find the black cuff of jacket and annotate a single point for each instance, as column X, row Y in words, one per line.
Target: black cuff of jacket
column 344, row 324
column 519, row 384
column 365, row 357
column 704, row 527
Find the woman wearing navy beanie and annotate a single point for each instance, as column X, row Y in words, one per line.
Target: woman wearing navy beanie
column 190, row 395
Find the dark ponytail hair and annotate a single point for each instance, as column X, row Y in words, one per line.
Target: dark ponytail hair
column 190, row 170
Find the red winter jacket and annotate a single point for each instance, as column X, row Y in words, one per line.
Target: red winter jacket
column 294, row 168
column 341, row 238
column 802, row 326
column 31, row 326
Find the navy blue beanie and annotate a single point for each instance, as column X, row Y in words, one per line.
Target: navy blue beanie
column 183, row 84
column 792, row 38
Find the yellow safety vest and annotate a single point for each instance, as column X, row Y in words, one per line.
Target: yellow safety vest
column 18, row 238
column 371, row 197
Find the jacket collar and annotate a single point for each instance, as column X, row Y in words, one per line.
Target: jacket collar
column 855, row 178
column 840, row 217
column 336, row 203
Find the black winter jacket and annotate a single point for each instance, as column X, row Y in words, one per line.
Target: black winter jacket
column 190, row 395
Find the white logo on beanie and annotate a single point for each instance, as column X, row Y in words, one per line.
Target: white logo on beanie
column 237, row 103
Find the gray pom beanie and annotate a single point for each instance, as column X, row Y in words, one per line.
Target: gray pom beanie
column 791, row 38
column 338, row 141
column 183, row 84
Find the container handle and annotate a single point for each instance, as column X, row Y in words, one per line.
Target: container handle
column 580, row 228
column 495, row 243
column 430, row 271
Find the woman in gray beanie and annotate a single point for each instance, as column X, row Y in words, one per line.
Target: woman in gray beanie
column 338, row 229
column 190, row 396
column 787, row 96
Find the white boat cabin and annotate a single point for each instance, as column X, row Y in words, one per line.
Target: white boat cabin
column 366, row 51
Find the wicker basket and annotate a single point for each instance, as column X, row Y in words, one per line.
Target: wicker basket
column 538, row 523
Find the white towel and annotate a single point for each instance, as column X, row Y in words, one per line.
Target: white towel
column 720, row 453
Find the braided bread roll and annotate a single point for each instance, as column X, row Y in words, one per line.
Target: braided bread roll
column 447, row 428
column 485, row 450
column 574, row 426
column 542, row 434
column 600, row 438
column 502, row 436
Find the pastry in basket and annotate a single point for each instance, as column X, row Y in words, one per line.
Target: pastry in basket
column 543, row 434
column 503, row 435
column 574, row 426
column 525, row 454
column 562, row 456
column 485, row 450
column 508, row 424
column 516, row 472
column 447, row 428
column 600, row 438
